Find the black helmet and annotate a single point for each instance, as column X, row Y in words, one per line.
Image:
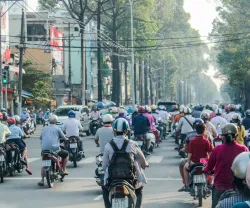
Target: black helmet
column 248, row 113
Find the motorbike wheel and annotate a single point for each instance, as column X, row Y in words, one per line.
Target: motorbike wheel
column 200, row 197
column 88, row 133
column 12, row 169
column 1, row 174
column 74, row 160
column 50, row 180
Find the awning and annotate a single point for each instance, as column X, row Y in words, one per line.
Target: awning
column 26, row 94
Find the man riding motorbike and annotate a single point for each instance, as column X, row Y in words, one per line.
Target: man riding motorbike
column 157, row 120
column 50, row 140
column 210, row 127
column 25, row 116
column 104, row 134
column 218, row 121
column 4, row 131
column 221, row 160
column 120, row 130
column 236, row 119
column 72, row 128
column 46, row 116
column 246, row 120
column 16, row 137
column 95, row 113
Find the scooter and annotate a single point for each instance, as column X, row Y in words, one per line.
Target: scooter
column 99, row 172
column 3, row 165
column 218, row 141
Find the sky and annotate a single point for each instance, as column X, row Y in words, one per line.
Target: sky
column 33, row 3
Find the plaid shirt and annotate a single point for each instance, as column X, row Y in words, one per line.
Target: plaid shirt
column 229, row 198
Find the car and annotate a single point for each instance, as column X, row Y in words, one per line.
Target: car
column 168, row 104
column 62, row 114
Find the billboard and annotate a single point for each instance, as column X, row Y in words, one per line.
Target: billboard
column 56, row 44
column 5, row 33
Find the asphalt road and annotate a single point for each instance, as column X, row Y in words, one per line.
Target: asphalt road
column 79, row 189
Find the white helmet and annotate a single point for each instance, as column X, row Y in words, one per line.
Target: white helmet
column 147, row 108
column 237, row 107
column 187, row 111
column 240, row 164
column 215, row 107
column 53, row 119
column 17, row 118
column 236, row 116
column 121, row 110
column 218, row 111
column 107, row 118
column 205, row 115
column 114, row 110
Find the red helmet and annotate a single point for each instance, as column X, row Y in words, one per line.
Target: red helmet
column 11, row 120
column 227, row 108
column 142, row 109
column 1, row 116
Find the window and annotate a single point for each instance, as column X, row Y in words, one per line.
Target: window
column 36, row 30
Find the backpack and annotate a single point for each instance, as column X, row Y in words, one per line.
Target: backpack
column 122, row 164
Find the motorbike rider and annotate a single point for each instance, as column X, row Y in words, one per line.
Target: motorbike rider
column 33, row 117
column 19, row 124
column 16, row 137
column 246, row 120
column 229, row 116
column 199, row 147
column 185, row 124
column 72, row 128
column 213, row 114
column 218, row 121
column 4, row 131
column 236, row 198
column 95, row 113
column 50, row 140
column 104, row 134
column 164, row 116
column 210, row 127
column 221, row 160
column 46, row 116
column 120, row 130
column 197, row 111
column 236, row 119
column 157, row 120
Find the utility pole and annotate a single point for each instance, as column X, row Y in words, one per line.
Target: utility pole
column 70, row 72
column 150, row 80
column 99, row 70
column 126, row 81
column 164, row 79
column 20, row 78
column 1, row 86
column 146, row 81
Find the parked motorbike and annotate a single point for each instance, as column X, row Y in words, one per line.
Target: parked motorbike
column 95, row 124
column 3, row 166
column 99, row 172
column 52, row 167
column 72, row 147
column 201, row 184
column 218, row 141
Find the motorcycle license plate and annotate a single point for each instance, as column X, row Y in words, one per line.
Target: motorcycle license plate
column 217, row 143
column 199, row 179
column 2, row 159
column 46, row 163
column 73, row 145
column 140, row 143
column 120, row 203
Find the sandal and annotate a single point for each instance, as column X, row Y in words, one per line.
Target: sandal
column 40, row 184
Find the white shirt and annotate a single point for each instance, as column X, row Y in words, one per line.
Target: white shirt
column 95, row 114
column 219, row 122
column 164, row 115
column 72, row 127
column 229, row 116
column 78, row 116
column 184, row 126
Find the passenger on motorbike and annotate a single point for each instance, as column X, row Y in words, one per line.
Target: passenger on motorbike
column 199, row 147
column 72, row 128
column 16, row 137
column 209, row 126
column 246, row 120
column 236, row 119
column 120, row 130
column 4, row 131
column 104, row 134
column 50, row 140
column 218, row 121
column 25, row 115
column 221, row 160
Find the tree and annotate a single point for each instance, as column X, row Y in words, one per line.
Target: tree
column 47, row 4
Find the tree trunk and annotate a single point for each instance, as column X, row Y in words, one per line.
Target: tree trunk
column 146, row 81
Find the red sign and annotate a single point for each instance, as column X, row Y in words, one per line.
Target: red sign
column 10, row 91
column 56, row 38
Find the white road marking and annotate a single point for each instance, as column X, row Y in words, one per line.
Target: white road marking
column 155, row 159
column 98, row 198
column 87, row 160
column 30, row 160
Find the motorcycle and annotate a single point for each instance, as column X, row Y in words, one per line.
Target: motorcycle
column 3, row 167
column 201, row 184
column 95, row 124
column 99, row 172
column 52, row 167
column 142, row 142
column 72, row 147
column 217, row 141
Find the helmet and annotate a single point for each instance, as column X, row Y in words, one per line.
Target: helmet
column 227, row 108
column 90, row 104
column 239, row 166
column 175, row 107
column 205, row 116
column 229, row 129
column 11, row 120
column 107, row 118
column 17, row 118
column 153, row 107
column 218, row 111
column 141, row 109
column 120, row 125
column 114, row 110
column 99, row 105
column 187, row 111
column 135, row 109
column 3, row 110
column 122, row 107
column 237, row 107
column 121, row 110
column 215, row 107
column 231, row 107
column 1, row 116
column 197, row 122
column 53, row 119
column 161, row 107
column 71, row 114
column 248, row 113
column 147, row 108
column 236, row 117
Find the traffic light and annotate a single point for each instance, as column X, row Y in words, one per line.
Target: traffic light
column 6, row 75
